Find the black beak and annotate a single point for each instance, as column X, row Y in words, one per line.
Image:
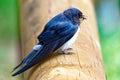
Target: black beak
column 83, row 17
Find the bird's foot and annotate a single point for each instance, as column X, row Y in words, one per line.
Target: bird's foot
column 69, row 49
column 64, row 52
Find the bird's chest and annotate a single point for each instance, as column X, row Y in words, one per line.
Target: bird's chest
column 71, row 41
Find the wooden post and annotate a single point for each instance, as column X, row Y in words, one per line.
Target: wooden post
column 85, row 64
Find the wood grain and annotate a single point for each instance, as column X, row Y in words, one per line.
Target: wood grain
column 86, row 62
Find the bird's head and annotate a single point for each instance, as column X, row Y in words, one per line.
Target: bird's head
column 74, row 15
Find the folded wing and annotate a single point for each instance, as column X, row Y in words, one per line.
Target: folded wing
column 51, row 39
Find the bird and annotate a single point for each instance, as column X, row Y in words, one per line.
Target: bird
column 58, row 34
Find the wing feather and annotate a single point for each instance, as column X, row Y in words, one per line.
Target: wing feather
column 52, row 39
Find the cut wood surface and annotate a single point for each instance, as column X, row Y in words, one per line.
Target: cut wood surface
column 86, row 62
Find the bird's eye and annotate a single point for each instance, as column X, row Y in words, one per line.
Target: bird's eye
column 80, row 15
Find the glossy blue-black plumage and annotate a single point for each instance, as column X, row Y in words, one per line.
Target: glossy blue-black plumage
column 56, row 32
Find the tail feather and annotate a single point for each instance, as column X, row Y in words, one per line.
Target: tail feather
column 35, row 57
column 22, row 69
column 17, row 66
column 25, row 62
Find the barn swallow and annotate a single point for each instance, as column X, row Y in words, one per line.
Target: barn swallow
column 58, row 34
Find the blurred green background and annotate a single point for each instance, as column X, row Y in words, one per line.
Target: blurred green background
column 108, row 19
column 9, row 38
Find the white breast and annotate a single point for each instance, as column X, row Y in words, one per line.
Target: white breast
column 71, row 41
